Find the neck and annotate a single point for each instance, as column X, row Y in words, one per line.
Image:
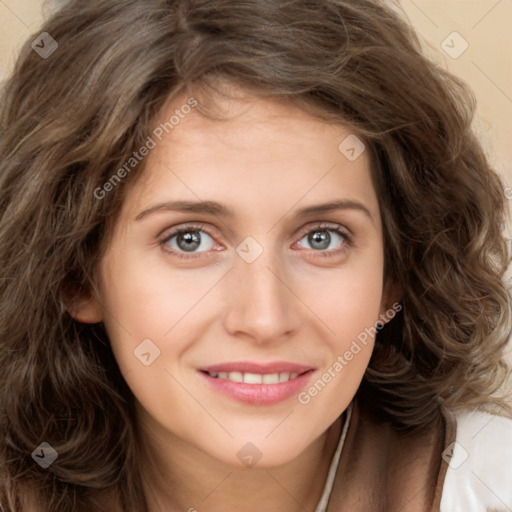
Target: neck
column 180, row 477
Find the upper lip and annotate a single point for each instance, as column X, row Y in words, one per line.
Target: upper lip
column 258, row 368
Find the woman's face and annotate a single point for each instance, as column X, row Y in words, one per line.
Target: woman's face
column 272, row 279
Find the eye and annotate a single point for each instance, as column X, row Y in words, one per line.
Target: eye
column 326, row 239
column 188, row 240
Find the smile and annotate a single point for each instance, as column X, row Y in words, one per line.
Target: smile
column 256, row 383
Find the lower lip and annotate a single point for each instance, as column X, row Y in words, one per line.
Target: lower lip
column 259, row 394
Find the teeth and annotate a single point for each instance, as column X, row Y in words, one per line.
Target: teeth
column 236, row 376
column 254, row 378
column 271, row 378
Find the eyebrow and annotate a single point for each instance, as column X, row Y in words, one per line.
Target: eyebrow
column 217, row 209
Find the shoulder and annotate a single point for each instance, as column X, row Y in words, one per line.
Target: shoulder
column 479, row 474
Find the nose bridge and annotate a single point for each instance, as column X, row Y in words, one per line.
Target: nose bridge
column 261, row 304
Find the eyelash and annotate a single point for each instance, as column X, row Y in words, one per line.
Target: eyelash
column 332, row 228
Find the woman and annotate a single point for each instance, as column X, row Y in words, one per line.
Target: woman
column 251, row 260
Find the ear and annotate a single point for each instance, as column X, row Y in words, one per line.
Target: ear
column 80, row 304
column 391, row 297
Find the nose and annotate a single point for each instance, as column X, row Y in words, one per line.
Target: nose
column 261, row 305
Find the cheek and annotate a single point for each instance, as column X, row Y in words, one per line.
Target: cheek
column 348, row 302
column 146, row 296
column 150, row 301
column 348, row 299
column 350, row 311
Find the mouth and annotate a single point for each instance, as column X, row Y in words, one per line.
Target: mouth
column 257, row 384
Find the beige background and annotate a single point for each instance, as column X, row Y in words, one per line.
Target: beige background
column 485, row 26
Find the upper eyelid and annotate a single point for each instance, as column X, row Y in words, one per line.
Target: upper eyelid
column 175, row 230
column 319, row 226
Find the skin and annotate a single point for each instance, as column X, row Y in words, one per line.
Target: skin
column 294, row 303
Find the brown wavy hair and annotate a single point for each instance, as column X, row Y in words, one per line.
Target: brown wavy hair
column 69, row 121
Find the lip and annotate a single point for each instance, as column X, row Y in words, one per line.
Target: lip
column 258, row 394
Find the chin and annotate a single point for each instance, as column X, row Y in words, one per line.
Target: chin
column 259, row 454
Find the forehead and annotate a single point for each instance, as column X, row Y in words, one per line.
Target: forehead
column 255, row 151
column 241, row 123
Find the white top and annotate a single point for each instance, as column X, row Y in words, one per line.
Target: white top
column 326, row 494
column 479, row 476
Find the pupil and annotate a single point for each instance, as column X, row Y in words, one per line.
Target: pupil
column 189, row 241
column 320, row 239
